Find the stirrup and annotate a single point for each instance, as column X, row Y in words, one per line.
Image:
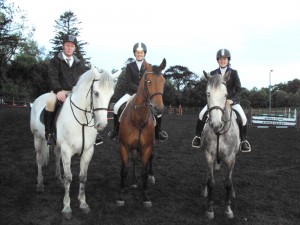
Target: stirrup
column 245, row 150
column 112, row 135
column 164, row 135
column 194, row 139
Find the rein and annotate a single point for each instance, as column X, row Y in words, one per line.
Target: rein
column 85, row 111
column 147, row 104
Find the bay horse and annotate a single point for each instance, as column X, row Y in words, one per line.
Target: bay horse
column 136, row 129
column 81, row 115
column 220, row 140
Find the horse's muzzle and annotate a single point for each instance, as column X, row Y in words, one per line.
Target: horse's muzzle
column 156, row 110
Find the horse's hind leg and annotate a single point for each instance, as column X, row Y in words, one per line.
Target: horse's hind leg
column 151, row 177
column 84, row 164
column 42, row 156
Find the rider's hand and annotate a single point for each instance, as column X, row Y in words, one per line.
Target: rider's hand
column 229, row 102
column 61, row 96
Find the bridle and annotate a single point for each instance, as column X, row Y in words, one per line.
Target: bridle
column 222, row 118
column 91, row 111
column 222, row 131
column 86, row 111
column 146, row 93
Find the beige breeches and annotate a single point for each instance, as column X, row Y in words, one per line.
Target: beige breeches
column 51, row 101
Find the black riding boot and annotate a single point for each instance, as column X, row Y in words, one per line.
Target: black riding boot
column 245, row 146
column 114, row 133
column 196, row 143
column 160, row 135
column 49, row 134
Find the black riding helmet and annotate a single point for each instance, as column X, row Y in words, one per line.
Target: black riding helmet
column 70, row 38
column 223, row 53
column 140, row 47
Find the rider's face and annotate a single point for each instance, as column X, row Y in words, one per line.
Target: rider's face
column 223, row 62
column 139, row 55
column 69, row 48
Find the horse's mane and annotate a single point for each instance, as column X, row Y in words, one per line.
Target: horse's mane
column 215, row 81
column 104, row 77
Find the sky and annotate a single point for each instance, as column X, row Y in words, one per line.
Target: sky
column 262, row 35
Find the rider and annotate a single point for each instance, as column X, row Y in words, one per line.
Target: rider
column 134, row 73
column 234, row 93
column 63, row 71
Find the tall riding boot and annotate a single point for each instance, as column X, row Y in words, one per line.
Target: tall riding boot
column 160, row 135
column 114, row 133
column 49, row 134
column 245, row 146
column 196, row 143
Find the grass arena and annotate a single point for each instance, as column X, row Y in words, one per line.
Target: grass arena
column 266, row 181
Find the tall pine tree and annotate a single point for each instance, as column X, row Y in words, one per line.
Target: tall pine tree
column 68, row 24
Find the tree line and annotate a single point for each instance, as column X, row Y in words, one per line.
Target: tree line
column 24, row 66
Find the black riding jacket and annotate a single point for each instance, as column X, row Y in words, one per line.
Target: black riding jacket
column 133, row 77
column 234, row 88
column 61, row 76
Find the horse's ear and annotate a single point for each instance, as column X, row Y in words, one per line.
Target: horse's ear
column 226, row 77
column 147, row 65
column 163, row 64
column 207, row 75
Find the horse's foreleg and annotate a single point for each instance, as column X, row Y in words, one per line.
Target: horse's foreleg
column 210, row 186
column 66, row 160
column 123, row 174
column 84, row 164
column 145, row 173
column 151, row 175
column 57, row 166
column 229, row 190
column 134, row 162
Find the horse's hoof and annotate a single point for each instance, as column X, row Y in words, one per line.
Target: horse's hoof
column 67, row 215
column 86, row 210
column 120, row 203
column 229, row 214
column 133, row 186
column 40, row 189
column 210, row 215
column 151, row 179
column 147, row 204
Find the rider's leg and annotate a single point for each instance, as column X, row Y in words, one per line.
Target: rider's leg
column 114, row 133
column 196, row 143
column 160, row 135
column 242, row 122
column 48, row 118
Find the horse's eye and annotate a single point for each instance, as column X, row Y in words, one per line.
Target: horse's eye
column 96, row 93
column 207, row 94
column 148, row 81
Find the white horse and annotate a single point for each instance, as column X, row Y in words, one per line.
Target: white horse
column 220, row 140
column 83, row 113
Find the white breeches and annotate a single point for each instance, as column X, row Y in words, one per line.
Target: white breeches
column 122, row 100
column 237, row 107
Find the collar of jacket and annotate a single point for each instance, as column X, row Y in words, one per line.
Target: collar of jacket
column 60, row 56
